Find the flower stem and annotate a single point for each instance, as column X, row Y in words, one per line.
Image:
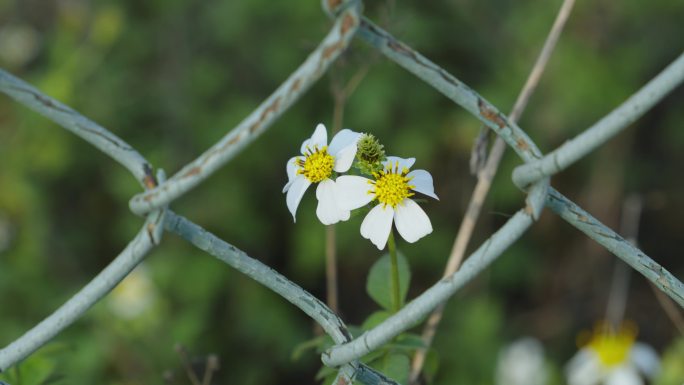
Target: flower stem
column 394, row 272
column 331, row 268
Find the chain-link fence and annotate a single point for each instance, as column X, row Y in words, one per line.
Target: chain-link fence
column 160, row 192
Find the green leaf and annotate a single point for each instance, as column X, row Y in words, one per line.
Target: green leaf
column 408, row 341
column 431, row 365
column 327, row 373
column 375, row 319
column 672, row 370
column 36, row 370
column 312, row 344
column 379, row 281
column 40, row 368
column 395, row 366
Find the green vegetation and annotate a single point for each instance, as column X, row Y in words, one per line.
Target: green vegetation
column 172, row 77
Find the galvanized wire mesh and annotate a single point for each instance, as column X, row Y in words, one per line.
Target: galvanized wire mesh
column 533, row 177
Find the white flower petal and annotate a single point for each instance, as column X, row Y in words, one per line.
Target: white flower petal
column 353, row 191
column 318, row 139
column 295, row 193
column 328, row 210
column 287, row 186
column 341, row 140
column 624, row 375
column 411, row 221
column 377, row 225
column 403, row 162
column 291, row 169
column 584, row 368
column 344, row 158
column 344, row 214
column 645, row 359
column 423, row 182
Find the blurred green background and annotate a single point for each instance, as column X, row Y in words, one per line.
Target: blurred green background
column 172, row 77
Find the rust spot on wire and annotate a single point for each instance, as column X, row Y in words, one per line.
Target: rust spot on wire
column 271, row 109
column 342, row 381
column 490, row 114
column 149, row 181
column 580, row 217
column 347, row 23
column 331, row 50
column 192, row 172
column 529, row 210
column 663, row 282
column 233, row 140
column 333, row 4
column 522, row 144
column 399, row 48
column 254, row 126
column 150, row 197
column 295, row 85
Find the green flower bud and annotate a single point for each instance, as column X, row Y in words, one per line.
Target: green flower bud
column 370, row 154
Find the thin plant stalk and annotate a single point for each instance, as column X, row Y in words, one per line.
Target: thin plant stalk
column 619, row 288
column 331, row 269
column 330, row 240
column 185, row 362
column 340, row 94
column 484, row 181
column 394, row 274
column 670, row 308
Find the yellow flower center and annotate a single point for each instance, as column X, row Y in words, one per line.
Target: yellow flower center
column 392, row 186
column 317, row 164
column 612, row 348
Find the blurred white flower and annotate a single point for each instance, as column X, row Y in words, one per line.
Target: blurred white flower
column 522, row 363
column 392, row 188
column 134, row 295
column 20, row 43
column 316, row 166
column 613, row 358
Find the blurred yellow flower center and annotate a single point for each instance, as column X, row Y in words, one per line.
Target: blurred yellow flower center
column 612, row 348
column 317, row 164
column 392, row 186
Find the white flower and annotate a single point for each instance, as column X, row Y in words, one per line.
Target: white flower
column 392, row 190
column 316, row 166
column 612, row 358
column 522, row 363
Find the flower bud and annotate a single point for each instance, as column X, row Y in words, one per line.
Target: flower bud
column 370, row 154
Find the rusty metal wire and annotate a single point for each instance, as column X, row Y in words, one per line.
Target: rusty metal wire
column 348, row 22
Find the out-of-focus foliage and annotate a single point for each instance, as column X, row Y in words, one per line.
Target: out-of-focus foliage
column 172, row 77
column 673, row 370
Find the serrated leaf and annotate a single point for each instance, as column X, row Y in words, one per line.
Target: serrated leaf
column 379, row 283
